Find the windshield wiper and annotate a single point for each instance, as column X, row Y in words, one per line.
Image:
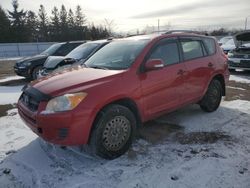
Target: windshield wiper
column 99, row 67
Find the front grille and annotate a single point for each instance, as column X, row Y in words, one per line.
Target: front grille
column 242, row 64
column 29, row 102
column 241, row 56
column 32, row 97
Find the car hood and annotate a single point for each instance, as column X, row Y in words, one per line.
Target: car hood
column 53, row 61
column 74, row 80
column 228, row 47
column 33, row 58
column 241, row 37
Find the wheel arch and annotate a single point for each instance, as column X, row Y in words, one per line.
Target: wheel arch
column 221, row 79
column 127, row 102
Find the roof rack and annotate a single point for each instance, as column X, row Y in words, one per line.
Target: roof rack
column 182, row 31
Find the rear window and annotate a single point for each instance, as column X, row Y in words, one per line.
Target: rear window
column 192, row 49
column 210, row 45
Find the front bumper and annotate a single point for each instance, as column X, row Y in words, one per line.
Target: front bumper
column 22, row 71
column 238, row 63
column 65, row 128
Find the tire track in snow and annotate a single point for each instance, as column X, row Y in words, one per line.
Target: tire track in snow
column 31, row 171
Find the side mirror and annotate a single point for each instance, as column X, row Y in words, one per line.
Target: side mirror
column 154, row 64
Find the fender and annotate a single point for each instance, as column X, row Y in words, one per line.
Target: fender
column 216, row 73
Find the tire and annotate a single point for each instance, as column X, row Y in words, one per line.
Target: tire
column 113, row 132
column 35, row 72
column 211, row 100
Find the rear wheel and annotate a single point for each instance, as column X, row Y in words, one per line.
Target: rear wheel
column 35, row 72
column 113, row 132
column 211, row 100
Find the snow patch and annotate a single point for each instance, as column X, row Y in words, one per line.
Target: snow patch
column 10, row 95
column 36, row 163
column 11, row 78
column 242, row 79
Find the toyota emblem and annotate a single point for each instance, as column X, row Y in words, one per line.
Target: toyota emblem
column 26, row 99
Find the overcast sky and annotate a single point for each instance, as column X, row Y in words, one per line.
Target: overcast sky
column 130, row 15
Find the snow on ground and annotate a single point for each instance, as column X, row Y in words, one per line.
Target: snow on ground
column 186, row 148
column 242, row 79
column 10, row 58
column 9, row 95
column 220, row 159
column 11, row 78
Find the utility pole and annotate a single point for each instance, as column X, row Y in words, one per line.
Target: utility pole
column 158, row 25
column 246, row 22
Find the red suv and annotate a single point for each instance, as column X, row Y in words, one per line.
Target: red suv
column 125, row 84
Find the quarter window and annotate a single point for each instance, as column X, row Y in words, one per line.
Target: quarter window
column 167, row 52
column 192, row 49
column 210, row 45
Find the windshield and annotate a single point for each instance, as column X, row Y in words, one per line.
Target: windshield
column 52, row 49
column 83, row 51
column 224, row 40
column 230, row 42
column 117, row 54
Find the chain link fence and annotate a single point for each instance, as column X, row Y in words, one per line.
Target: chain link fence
column 10, row 50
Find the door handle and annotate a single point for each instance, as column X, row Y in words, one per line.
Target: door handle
column 180, row 72
column 210, row 64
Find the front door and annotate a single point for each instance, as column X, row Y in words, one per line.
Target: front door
column 162, row 89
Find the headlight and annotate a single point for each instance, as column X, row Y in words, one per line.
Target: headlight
column 64, row 103
column 230, row 54
column 26, row 63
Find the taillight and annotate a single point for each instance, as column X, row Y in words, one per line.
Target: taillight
column 222, row 52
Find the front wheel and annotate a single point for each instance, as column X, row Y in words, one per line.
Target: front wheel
column 35, row 72
column 211, row 100
column 113, row 132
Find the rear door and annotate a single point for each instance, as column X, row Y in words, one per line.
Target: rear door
column 199, row 66
column 162, row 88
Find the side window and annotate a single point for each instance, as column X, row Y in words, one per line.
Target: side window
column 192, row 49
column 72, row 46
column 167, row 52
column 210, row 45
column 63, row 50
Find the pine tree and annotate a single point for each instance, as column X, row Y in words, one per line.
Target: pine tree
column 80, row 21
column 63, row 17
column 43, row 24
column 80, row 18
column 55, row 25
column 71, row 20
column 17, row 19
column 4, row 26
column 31, row 25
column 71, row 25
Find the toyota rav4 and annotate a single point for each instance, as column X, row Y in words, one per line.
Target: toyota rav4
column 126, row 83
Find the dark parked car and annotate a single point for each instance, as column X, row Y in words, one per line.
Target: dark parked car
column 76, row 57
column 126, row 83
column 239, row 58
column 29, row 67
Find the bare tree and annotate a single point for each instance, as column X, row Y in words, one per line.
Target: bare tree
column 110, row 25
